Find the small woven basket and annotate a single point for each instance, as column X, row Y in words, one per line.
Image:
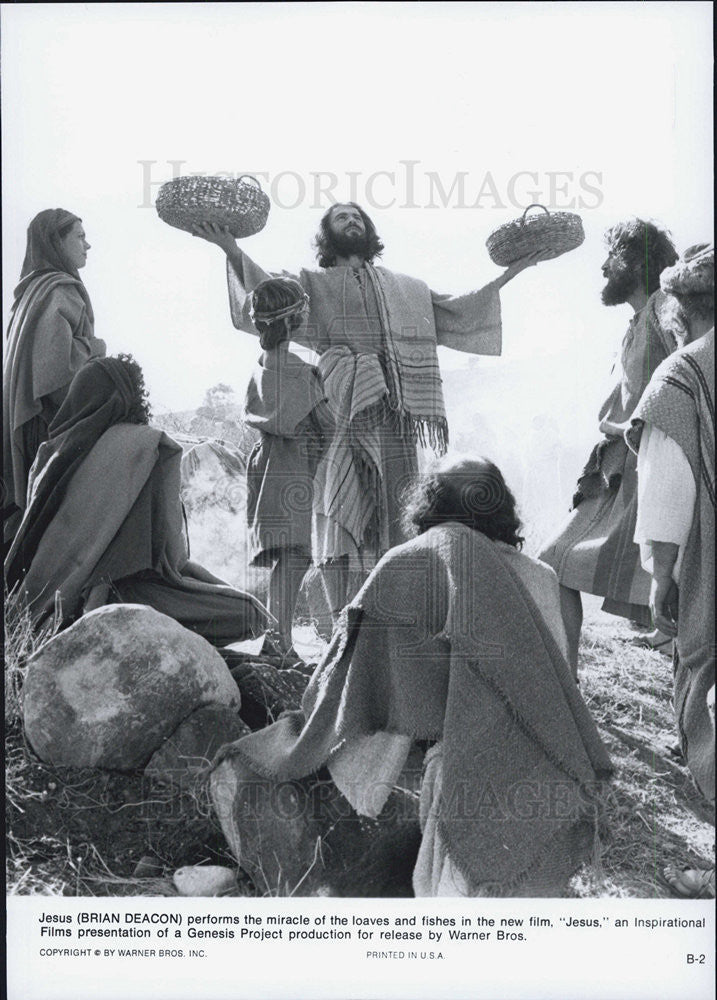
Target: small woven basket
column 555, row 232
column 239, row 204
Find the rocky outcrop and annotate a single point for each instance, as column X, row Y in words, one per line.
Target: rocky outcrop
column 109, row 690
column 266, row 689
column 187, row 754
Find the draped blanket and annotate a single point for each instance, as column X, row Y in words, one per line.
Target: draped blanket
column 680, row 401
column 100, row 395
column 50, row 338
column 444, row 641
column 131, row 538
column 104, row 509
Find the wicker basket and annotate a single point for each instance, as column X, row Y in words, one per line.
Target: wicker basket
column 555, row 232
column 239, row 204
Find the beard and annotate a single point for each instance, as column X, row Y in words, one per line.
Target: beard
column 618, row 288
column 344, row 246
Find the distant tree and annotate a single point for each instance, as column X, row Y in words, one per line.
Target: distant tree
column 219, row 402
column 220, row 417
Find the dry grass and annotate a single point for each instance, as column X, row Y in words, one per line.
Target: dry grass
column 654, row 814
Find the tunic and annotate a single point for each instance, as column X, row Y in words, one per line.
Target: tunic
column 284, row 403
column 666, row 495
column 350, row 310
column 595, row 552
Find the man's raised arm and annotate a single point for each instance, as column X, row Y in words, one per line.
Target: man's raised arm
column 243, row 275
column 472, row 323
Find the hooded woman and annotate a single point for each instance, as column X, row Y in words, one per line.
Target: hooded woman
column 50, row 338
column 104, row 521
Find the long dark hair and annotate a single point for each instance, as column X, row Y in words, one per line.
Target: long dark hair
column 646, row 248
column 324, row 241
column 471, row 491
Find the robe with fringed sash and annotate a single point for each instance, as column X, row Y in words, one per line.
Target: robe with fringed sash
column 378, row 331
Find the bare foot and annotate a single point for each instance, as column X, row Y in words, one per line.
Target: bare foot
column 691, row 883
column 653, row 640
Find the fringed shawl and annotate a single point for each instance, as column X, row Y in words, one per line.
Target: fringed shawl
column 415, row 388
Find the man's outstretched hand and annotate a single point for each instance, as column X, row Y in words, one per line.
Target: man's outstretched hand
column 520, row 265
column 214, row 233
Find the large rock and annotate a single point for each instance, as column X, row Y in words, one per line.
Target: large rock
column 267, row 690
column 204, row 880
column 188, row 752
column 108, row 691
column 303, row 838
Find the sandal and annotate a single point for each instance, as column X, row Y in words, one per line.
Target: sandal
column 691, row 883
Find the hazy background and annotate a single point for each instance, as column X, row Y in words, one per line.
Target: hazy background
column 98, row 99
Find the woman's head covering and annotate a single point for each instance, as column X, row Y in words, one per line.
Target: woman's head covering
column 101, row 394
column 44, row 243
column 693, row 274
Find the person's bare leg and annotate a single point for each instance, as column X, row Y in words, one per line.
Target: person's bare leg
column 571, row 607
column 334, row 576
column 284, row 584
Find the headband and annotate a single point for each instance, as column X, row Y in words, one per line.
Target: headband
column 298, row 307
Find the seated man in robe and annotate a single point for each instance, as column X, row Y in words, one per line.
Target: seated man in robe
column 455, row 638
column 673, row 432
column 104, row 520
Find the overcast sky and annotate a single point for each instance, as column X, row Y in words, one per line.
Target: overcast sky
column 443, row 118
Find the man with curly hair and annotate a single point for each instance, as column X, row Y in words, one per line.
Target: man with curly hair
column 594, row 552
column 377, row 333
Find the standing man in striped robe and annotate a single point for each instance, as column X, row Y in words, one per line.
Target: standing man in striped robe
column 376, row 332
